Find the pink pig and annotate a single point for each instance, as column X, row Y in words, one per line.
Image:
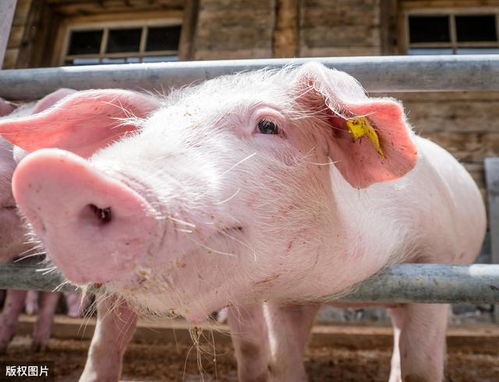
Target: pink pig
column 14, row 243
column 274, row 185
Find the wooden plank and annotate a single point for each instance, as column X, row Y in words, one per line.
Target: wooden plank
column 70, row 9
column 188, row 34
column 33, row 36
column 481, row 338
column 388, row 26
column 285, row 36
column 492, row 180
column 476, row 5
column 7, row 8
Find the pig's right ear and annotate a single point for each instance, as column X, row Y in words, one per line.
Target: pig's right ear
column 81, row 123
column 368, row 139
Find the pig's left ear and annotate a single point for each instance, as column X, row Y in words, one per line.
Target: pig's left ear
column 369, row 139
column 82, row 122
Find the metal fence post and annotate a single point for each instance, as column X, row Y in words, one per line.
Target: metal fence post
column 7, row 8
column 492, row 180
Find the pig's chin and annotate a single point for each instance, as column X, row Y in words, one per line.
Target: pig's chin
column 149, row 303
column 193, row 285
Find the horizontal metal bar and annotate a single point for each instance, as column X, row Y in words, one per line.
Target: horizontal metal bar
column 32, row 275
column 430, row 283
column 377, row 74
column 421, row 283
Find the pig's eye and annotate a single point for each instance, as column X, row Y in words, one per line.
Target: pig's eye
column 268, row 127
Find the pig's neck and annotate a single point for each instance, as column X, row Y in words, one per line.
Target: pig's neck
column 365, row 236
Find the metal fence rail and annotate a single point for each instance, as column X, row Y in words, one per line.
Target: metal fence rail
column 421, row 283
column 377, row 74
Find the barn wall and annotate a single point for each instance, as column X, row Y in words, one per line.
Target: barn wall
column 466, row 123
column 234, row 29
column 340, row 28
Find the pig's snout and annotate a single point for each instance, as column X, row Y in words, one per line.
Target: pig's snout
column 94, row 228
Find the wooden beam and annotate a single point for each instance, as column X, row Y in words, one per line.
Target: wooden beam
column 187, row 42
column 285, row 36
column 388, row 26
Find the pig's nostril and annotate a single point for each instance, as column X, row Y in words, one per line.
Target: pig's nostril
column 103, row 214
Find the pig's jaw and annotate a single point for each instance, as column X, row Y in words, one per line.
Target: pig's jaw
column 184, row 285
column 201, row 281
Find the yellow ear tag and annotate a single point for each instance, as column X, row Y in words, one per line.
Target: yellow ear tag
column 359, row 127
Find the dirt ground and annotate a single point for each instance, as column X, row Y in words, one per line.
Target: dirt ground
column 179, row 362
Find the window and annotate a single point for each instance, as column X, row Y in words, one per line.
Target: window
column 452, row 33
column 118, row 44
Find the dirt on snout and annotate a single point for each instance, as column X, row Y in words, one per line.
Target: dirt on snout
column 181, row 362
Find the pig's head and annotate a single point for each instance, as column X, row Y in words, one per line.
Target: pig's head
column 217, row 193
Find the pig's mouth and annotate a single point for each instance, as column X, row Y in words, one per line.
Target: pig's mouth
column 177, row 285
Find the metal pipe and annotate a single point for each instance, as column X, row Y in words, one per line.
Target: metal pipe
column 32, row 274
column 421, row 283
column 430, row 283
column 377, row 74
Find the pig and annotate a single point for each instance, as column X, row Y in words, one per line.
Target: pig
column 261, row 191
column 14, row 245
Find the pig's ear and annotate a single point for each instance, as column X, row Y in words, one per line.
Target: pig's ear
column 52, row 99
column 81, row 123
column 368, row 139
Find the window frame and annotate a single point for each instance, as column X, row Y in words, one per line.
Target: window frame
column 78, row 24
column 454, row 45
